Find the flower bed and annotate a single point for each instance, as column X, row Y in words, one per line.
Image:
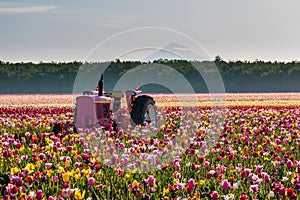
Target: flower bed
column 253, row 155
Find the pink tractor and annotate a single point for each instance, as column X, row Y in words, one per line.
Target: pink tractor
column 99, row 109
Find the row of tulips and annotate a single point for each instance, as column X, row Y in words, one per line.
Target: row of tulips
column 225, row 99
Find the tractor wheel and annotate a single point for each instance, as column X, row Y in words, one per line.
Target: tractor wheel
column 56, row 128
column 143, row 110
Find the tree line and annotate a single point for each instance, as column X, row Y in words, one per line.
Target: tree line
column 238, row 76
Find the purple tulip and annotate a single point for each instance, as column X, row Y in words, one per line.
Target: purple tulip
column 146, row 197
column 151, row 180
column 266, row 177
column 5, row 153
column 152, row 190
column 289, row 164
column 259, row 168
column 282, row 191
column 178, row 175
column 248, row 171
column 254, row 188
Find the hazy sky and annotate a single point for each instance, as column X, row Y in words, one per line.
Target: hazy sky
column 67, row 30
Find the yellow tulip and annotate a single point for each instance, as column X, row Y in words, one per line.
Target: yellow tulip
column 144, row 162
column 47, row 148
column 61, row 169
column 66, row 177
column 21, row 150
column 202, row 182
column 127, row 176
column 67, row 163
column 206, row 123
column 292, row 148
column 175, row 181
column 77, row 176
column 48, row 141
column 77, row 171
column 23, row 195
column 259, row 147
column 49, row 172
column 38, row 165
column 165, row 191
column 78, row 195
column 110, row 140
column 86, row 171
column 292, row 180
column 14, row 170
column 29, row 167
column 135, row 183
column 266, row 159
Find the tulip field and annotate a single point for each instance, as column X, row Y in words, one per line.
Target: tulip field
column 249, row 148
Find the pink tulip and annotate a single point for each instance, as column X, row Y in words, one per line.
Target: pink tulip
column 39, row 194
column 24, row 157
column 206, row 163
column 179, row 186
column 191, row 183
column 78, row 164
column 243, row 197
column 54, row 179
column 48, row 165
column 289, row 164
column 177, row 166
column 91, row 181
column 122, row 146
column 178, row 175
column 201, row 159
column 225, row 184
column 214, row 195
column 239, row 167
column 151, row 180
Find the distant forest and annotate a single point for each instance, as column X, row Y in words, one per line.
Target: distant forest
column 238, row 76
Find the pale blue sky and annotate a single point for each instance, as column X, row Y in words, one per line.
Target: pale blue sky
column 67, row 30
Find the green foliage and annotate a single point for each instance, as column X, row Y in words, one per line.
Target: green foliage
column 238, row 76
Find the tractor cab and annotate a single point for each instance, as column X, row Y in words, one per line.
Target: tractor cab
column 95, row 108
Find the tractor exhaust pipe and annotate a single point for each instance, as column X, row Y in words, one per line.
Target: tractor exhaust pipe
column 100, row 86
